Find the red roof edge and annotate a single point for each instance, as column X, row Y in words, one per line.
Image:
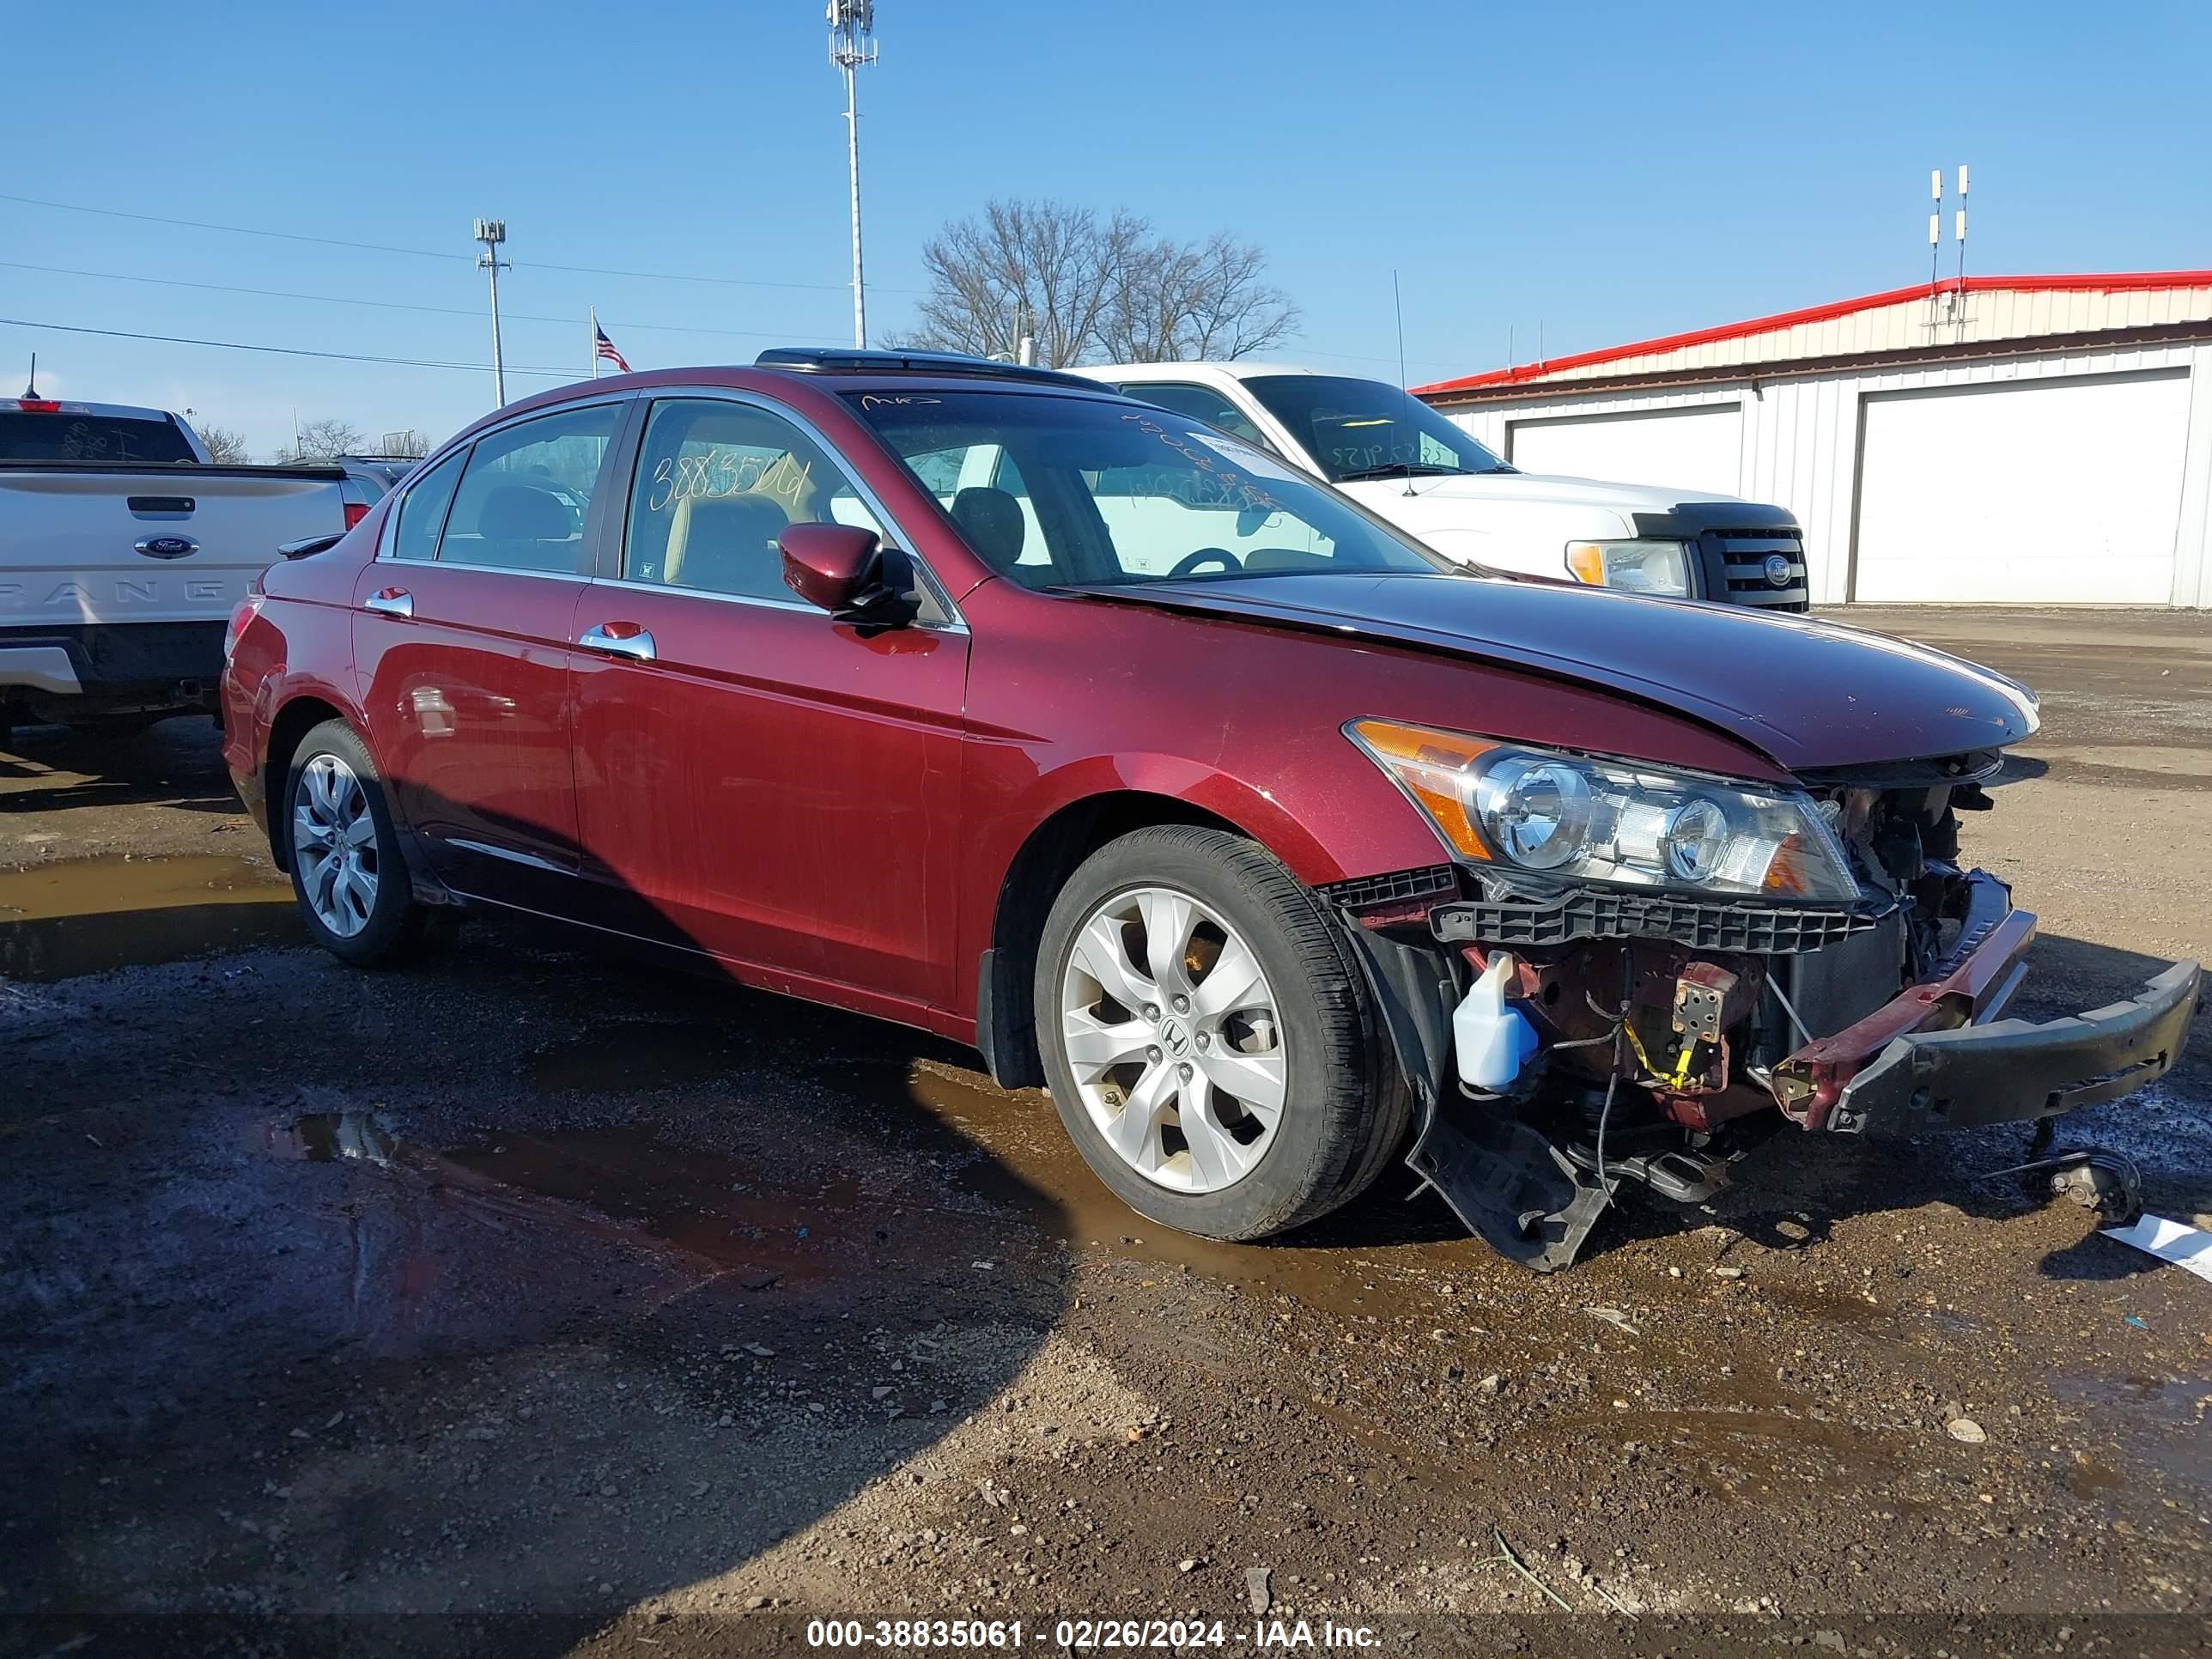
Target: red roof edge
column 2117, row 281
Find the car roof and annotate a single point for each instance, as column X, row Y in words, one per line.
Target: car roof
column 784, row 378
column 1239, row 370
column 842, row 360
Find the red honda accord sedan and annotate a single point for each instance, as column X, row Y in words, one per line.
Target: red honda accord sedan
column 985, row 700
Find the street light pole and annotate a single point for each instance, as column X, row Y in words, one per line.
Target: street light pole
column 852, row 44
column 492, row 233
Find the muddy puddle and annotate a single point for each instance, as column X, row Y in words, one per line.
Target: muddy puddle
column 1007, row 1151
column 1004, row 1157
column 622, row 1182
column 89, row 915
column 1337, row 1266
column 2163, row 1422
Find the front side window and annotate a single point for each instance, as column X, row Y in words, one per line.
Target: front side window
column 527, row 490
column 717, row 483
column 1110, row 494
column 1358, row 430
column 1200, row 403
column 423, row 510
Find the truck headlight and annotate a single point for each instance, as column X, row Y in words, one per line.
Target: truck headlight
column 1637, row 566
column 1593, row 818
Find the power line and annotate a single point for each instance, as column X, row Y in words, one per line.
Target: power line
column 434, row 253
column 384, row 305
column 235, row 230
column 428, row 253
column 568, row 373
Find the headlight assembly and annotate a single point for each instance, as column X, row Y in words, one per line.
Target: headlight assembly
column 1512, row 807
column 1638, row 567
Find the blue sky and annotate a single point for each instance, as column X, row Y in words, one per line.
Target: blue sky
column 1612, row 171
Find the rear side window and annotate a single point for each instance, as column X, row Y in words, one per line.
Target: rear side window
column 423, row 510
column 525, row 492
column 63, row 437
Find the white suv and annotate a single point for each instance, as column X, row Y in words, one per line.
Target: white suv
column 1405, row 463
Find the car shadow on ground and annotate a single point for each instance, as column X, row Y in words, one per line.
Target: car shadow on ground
column 172, row 762
column 463, row 1308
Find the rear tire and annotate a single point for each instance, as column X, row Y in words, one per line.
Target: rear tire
column 348, row 871
column 1230, row 1085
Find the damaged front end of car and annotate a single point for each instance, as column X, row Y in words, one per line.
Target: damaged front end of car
column 1630, row 973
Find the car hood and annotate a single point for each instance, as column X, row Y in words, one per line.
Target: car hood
column 1494, row 487
column 1810, row 694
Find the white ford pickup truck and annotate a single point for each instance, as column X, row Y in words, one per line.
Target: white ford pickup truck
column 1404, row 462
column 122, row 551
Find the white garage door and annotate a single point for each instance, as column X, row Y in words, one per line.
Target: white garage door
column 2046, row 492
column 1698, row 450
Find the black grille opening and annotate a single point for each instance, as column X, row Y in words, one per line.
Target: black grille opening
column 1738, row 574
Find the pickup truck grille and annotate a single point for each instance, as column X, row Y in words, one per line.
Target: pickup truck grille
column 1738, row 558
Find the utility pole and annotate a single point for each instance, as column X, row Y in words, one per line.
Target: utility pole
column 492, row 233
column 852, row 45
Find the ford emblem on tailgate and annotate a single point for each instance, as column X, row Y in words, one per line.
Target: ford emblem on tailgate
column 1778, row 568
column 168, row 547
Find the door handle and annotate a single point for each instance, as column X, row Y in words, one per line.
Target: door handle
column 390, row 602
column 633, row 642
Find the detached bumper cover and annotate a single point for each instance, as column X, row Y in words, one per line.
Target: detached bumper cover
column 2015, row 1070
column 1935, row 1057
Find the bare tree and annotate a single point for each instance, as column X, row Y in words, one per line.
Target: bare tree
column 1044, row 269
column 225, row 446
column 1195, row 301
column 1085, row 286
column 321, row 440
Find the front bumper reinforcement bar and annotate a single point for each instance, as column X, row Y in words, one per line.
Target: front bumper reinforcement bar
column 1934, row 1058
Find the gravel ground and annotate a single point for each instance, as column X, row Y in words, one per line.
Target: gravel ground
column 528, row 1301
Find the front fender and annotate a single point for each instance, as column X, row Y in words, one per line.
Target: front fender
column 1326, row 823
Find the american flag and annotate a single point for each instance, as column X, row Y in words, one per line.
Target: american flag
column 603, row 347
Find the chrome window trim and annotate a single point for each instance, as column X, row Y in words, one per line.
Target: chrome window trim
column 500, row 570
column 761, row 601
column 407, row 485
column 954, row 622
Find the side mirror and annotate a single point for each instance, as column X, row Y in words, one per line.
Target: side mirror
column 846, row 571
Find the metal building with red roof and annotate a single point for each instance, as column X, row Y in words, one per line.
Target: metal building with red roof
column 2038, row 440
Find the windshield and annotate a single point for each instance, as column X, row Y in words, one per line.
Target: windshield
column 1084, row 492
column 1368, row 429
column 67, row 437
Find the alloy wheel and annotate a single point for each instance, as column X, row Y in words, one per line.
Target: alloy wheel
column 334, row 845
column 1170, row 1028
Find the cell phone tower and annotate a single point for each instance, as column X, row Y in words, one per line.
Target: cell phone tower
column 852, row 45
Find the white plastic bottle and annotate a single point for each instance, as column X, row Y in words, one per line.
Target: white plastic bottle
column 1490, row 1040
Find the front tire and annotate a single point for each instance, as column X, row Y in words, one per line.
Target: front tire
column 348, row 872
column 1205, row 1035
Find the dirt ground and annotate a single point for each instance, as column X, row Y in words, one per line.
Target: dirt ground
column 530, row 1302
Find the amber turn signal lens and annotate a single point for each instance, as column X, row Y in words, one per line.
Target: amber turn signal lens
column 1433, row 767
column 1587, row 560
